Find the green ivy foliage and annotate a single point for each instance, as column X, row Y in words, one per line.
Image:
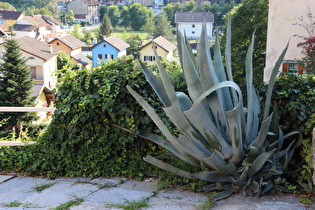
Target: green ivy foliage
column 82, row 139
column 295, row 99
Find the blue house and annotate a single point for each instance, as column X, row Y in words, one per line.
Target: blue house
column 110, row 48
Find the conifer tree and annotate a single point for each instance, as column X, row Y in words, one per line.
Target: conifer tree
column 15, row 86
column 163, row 27
column 105, row 28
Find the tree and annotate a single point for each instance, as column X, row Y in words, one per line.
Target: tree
column 190, row 6
column 103, row 11
column 6, row 6
column 64, row 61
column 113, row 14
column 77, row 31
column 139, row 15
column 105, row 28
column 15, row 86
column 247, row 17
column 69, row 17
column 135, row 43
column 170, row 13
column 88, row 36
column 124, row 17
column 163, row 27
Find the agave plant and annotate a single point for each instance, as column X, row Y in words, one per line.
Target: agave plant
column 239, row 148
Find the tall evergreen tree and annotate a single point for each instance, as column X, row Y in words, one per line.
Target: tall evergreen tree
column 15, row 86
column 163, row 27
column 105, row 28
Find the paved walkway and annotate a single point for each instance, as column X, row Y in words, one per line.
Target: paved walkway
column 30, row 193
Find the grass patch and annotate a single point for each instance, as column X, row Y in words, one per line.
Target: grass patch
column 124, row 35
column 67, row 205
column 43, row 187
column 132, row 205
column 12, row 204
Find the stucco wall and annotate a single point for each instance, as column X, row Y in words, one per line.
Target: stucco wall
column 148, row 51
column 282, row 17
column 101, row 49
column 193, row 30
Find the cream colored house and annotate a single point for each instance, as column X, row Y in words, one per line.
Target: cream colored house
column 41, row 58
column 164, row 48
column 283, row 28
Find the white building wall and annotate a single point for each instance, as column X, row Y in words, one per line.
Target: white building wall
column 193, row 30
column 282, row 29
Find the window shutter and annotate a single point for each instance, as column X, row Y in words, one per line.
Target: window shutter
column 285, row 68
column 300, row 69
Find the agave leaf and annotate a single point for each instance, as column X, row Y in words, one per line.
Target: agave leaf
column 184, row 101
column 208, row 129
column 267, row 187
column 219, row 68
column 253, row 107
column 224, row 194
column 294, row 133
column 186, row 145
column 213, row 176
column 208, row 76
column 231, row 169
column 216, row 162
column 157, row 85
column 237, row 133
column 167, row 145
column 261, row 138
column 272, row 81
column 156, row 119
column 259, row 162
column 170, row 91
column 190, row 70
column 168, row 167
column 181, row 122
column 228, row 56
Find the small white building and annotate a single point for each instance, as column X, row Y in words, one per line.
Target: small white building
column 190, row 23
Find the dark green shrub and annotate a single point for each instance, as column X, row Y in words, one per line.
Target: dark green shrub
column 82, row 139
column 295, row 98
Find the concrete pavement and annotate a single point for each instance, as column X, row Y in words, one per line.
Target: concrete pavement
column 96, row 194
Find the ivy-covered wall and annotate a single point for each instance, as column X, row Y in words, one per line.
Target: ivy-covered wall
column 82, row 139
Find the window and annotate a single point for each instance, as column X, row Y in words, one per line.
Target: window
column 100, row 56
column 33, row 70
column 193, row 25
column 31, row 57
column 193, row 32
column 291, row 67
column 57, row 43
column 109, row 56
column 104, row 45
column 149, row 58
